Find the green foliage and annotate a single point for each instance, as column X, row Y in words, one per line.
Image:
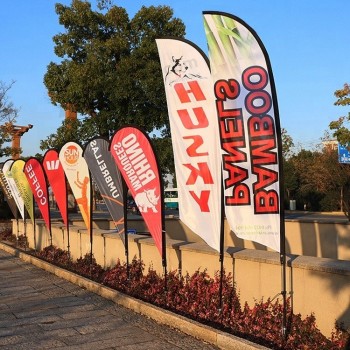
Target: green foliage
column 109, row 71
column 163, row 149
column 287, row 144
column 291, row 183
column 340, row 127
column 343, row 96
column 317, row 179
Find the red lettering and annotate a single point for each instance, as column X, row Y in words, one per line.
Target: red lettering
column 258, row 102
column 192, row 149
column 265, row 177
column 266, row 202
column 236, row 174
column 232, row 136
column 234, row 154
column 227, row 89
column 262, row 139
column 202, row 171
column 261, row 126
column 202, row 201
column 240, row 196
column 192, row 119
column 189, row 123
column 232, row 128
column 260, row 151
column 260, row 78
column 233, row 119
column 194, row 88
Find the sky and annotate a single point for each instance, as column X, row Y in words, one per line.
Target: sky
column 307, row 43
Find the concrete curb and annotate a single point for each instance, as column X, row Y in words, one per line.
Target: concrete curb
column 210, row 335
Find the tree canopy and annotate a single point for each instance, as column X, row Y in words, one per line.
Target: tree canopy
column 340, row 126
column 109, row 70
column 316, row 179
column 8, row 115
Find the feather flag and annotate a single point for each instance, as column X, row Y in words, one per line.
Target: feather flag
column 57, row 180
column 247, row 112
column 78, row 176
column 34, row 172
column 135, row 158
column 195, row 136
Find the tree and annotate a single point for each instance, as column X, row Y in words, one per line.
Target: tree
column 340, row 126
column 341, row 132
column 316, row 179
column 8, row 115
column 287, row 144
column 110, row 71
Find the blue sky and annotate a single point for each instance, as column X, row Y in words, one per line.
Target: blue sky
column 307, row 42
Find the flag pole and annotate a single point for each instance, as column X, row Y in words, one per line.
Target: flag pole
column 90, row 223
column 34, row 222
column 164, row 262
column 68, row 238
column 283, row 259
column 222, row 242
column 25, row 228
column 67, row 217
column 126, row 239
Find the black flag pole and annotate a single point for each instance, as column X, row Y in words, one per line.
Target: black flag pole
column 34, row 222
column 90, row 223
column 222, row 243
column 164, row 260
column 283, row 259
column 67, row 215
column 67, row 221
column 284, row 290
column 17, row 231
column 126, row 237
column 25, row 228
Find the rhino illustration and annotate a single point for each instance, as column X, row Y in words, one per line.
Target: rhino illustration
column 147, row 199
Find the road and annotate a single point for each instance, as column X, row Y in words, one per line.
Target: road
column 316, row 216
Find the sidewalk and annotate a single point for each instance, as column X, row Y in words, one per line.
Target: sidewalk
column 39, row 310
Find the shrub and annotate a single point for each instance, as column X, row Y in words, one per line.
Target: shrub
column 123, row 278
column 55, row 255
column 88, row 267
column 197, row 297
column 20, row 240
column 6, row 235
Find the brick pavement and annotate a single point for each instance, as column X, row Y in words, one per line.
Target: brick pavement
column 39, row 310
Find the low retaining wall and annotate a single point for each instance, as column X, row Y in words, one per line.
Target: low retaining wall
column 315, row 285
column 318, row 238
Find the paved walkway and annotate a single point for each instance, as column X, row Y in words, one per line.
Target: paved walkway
column 41, row 311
